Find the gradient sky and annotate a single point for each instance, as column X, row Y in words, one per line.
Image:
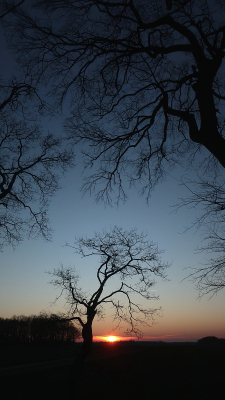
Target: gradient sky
column 24, row 287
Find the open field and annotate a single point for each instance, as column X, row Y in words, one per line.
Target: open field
column 123, row 371
column 13, row 355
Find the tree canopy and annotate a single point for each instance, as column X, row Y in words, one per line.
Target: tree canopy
column 145, row 80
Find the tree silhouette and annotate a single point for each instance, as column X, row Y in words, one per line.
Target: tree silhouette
column 30, row 160
column 209, row 194
column 29, row 165
column 145, row 79
column 125, row 255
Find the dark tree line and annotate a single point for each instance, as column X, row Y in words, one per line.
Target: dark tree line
column 42, row 328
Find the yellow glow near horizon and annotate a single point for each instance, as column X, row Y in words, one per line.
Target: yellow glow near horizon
column 111, row 339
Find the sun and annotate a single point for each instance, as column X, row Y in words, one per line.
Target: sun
column 111, row 339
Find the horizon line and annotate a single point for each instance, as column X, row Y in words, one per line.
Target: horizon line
column 166, row 338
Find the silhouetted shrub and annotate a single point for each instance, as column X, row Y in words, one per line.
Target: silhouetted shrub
column 210, row 341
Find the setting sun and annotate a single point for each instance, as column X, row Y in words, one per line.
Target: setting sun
column 111, row 339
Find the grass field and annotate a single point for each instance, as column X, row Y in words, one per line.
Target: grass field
column 121, row 371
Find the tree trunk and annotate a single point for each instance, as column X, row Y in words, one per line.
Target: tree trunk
column 87, row 337
column 86, row 346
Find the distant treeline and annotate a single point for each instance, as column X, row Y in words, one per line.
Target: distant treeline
column 42, row 328
column 211, row 341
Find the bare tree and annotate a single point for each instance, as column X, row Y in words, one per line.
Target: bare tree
column 208, row 194
column 125, row 255
column 145, row 79
column 30, row 162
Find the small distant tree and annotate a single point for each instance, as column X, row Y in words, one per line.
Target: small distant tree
column 126, row 255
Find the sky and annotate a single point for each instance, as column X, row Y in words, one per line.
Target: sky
column 24, row 282
column 25, row 287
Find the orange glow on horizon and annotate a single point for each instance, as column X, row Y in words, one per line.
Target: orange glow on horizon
column 164, row 338
column 111, row 339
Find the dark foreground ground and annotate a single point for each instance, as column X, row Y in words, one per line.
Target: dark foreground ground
column 115, row 371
